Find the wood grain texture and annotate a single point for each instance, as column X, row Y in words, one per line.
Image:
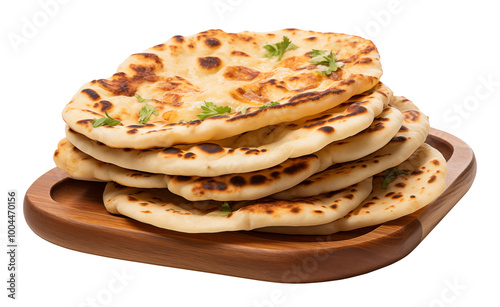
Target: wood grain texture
column 71, row 214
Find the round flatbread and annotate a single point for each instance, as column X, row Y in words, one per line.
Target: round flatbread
column 163, row 209
column 243, row 186
column 423, row 180
column 233, row 75
column 251, row 151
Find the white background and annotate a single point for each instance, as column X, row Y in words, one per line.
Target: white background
column 444, row 55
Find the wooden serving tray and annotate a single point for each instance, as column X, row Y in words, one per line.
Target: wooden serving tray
column 70, row 213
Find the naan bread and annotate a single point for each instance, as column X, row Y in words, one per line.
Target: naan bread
column 380, row 132
column 81, row 166
column 232, row 187
column 244, row 186
column 259, row 184
column 423, row 182
column 251, row 151
column 411, row 136
column 163, row 209
column 228, row 69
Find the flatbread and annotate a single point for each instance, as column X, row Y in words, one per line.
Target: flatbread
column 81, row 166
column 380, row 132
column 293, row 171
column 244, row 186
column 228, row 69
column 411, row 136
column 232, row 187
column 251, row 151
column 163, row 209
column 424, row 181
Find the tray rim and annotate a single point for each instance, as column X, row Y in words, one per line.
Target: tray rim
column 417, row 226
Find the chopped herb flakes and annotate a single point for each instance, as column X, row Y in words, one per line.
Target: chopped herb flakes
column 210, row 109
column 272, row 103
column 329, row 62
column 390, row 175
column 105, row 121
column 146, row 112
column 140, row 99
column 279, row 49
column 225, row 209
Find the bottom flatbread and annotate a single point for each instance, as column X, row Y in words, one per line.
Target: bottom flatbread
column 423, row 181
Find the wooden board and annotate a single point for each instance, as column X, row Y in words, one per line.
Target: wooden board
column 71, row 214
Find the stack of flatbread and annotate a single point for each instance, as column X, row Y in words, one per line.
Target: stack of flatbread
column 287, row 132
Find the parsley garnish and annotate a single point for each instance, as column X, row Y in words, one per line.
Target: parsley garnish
column 140, row 99
column 390, row 175
column 316, row 52
column 371, row 90
column 108, row 121
column 226, row 209
column 330, row 61
column 272, row 103
column 279, row 49
column 145, row 113
column 210, row 109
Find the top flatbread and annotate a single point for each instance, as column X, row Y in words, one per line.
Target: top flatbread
column 228, row 69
